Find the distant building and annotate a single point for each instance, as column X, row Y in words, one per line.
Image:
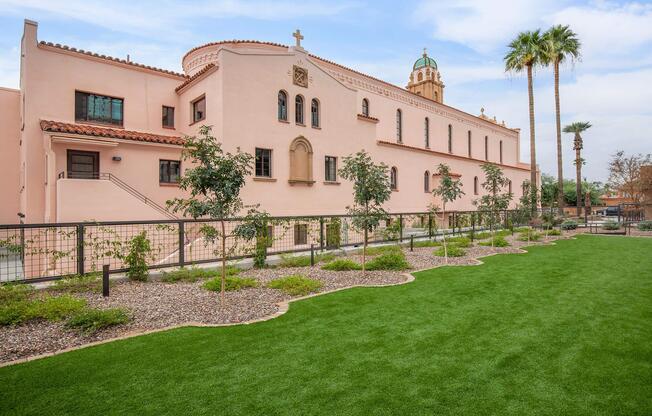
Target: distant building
column 89, row 136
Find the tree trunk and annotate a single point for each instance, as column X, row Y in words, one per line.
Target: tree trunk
column 560, row 169
column 443, row 235
column 223, row 285
column 578, row 185
column 533, row 153
column 364, row 251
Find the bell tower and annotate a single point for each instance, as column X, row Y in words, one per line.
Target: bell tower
column 425, row 79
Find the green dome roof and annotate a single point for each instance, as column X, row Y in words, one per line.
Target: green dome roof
column 425, row 60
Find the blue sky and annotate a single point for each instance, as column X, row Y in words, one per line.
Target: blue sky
column 611, row 87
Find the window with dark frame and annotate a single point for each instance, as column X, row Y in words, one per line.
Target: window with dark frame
column 314, row 112
column 330, row 165
column 486, row 147
column 393, row 179
column 199, row 109
column 450, row 138
column 300, row 234
column 282, row 106
column 501, row 151
column 399, row 126
column 426, row 132
column 99, row 108
column 263, row 163
column 298, row 109
column 365, row 107
column 469, row 143
column 168, row 116
column 426, row 182
column 169, row 171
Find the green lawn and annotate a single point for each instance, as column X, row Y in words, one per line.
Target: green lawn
column 563, row 330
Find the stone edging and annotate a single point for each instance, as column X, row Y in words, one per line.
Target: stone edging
column 283, row 307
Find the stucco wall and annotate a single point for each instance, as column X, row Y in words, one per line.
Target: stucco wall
column 9, row 155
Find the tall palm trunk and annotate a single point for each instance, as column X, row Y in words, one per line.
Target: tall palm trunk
column 560, row 173
column 533, row 154
column 578, row 171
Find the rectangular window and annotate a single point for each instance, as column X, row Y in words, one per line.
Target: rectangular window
column 199, row 109
column 331, row 169
column 300, row 234
column 264, row 163
column 98, row 108
column 169, row 171
column 168, row 117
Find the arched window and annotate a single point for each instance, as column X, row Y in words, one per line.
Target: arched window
column 509, row 186
column 365, row 107
column 301, row 161
column 420, row 77
column 486, row 147
column 393, row 178
column 450, row 138
column 314, row 112
column 475, row 185
column 426, row 131
column 501, row 151
column 399, row 126
column 469, row 143
column 298, row 109
column 282, row 105
column 426, row 182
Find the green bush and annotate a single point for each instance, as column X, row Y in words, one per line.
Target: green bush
column 453, row 251
column 463, row 242
column 534, row 236
column 389, row 261
column 91, row 282
column 499, row 241
column 482, row 235
column 187, row 275
column 340, row 265
column 611, row 226
column 136, row 258
column 22, row 309
column 569, row 225
column 295, row 285
column 645, row 226
column 288, row 260
column 374, row 251
column 14, row 292
column 554, row 232
column 427, row 243
column 230, row 283
column 89, row 321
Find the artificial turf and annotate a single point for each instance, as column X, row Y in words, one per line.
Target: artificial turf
column 562, row 330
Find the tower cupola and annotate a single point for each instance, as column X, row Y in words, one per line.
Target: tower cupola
column 425, row 79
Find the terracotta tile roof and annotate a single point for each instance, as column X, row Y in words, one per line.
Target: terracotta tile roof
column 367, row 118
column 110, row 58
column 88, row 130
column 194, row 77
column 223, row 42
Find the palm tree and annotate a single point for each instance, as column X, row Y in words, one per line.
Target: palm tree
column 525, row 53
column 559, row 44
column 577, row 128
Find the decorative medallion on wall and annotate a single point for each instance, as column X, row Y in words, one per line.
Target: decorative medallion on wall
column 300, row 76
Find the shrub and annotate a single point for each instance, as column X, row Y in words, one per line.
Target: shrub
column 499, row 241
column 89, row 321
column 569, row 225
column 427, row 243
column 482, row 235
column 340, row 265
column 610, row 226
column 91, row 282
column 230, row 283
column 554, row 232
column 295, row 285
column 463, row 242
column 13, row 313
column 188, row 275
column 534, row 236
column 389, row 261
column 453, row 251
column 304, row 261
column 14, row 292
column 645, row 226
column 50, row 308
column 373, row 251
column 136, row 258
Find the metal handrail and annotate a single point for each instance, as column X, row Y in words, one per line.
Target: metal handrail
column 121, row 184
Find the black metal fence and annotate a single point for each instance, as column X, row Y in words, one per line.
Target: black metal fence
column 37, row 252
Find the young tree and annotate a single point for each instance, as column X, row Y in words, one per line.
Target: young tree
column 215, row 182
column 577, row 128
column 449, row 190
column 494, row 200
column 525, row 54
column 371, row 189
column 560, row 43
column 625, row 174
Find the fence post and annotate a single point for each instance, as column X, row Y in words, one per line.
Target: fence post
column 412, row 242
column 105, row 280
column 312, row 255
column 80, row 249
column 400, row 226
column 182, row 244
column 454, row 221
column 472, row 226
column 429, row 225
column 321, row 233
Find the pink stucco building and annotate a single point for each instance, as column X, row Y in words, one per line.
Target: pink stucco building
column 91, row 137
